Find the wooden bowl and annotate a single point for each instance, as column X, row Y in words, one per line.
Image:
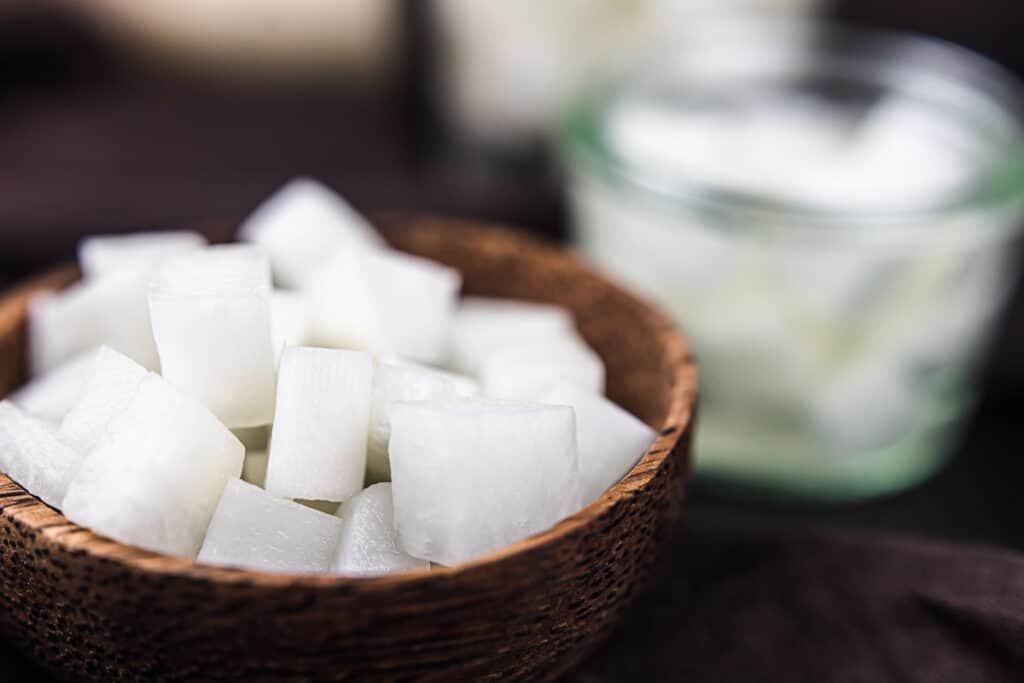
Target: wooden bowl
column 93, row 609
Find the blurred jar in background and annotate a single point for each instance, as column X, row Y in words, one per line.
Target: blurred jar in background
column 829, row 214
column 508, row 67
column 263, row 41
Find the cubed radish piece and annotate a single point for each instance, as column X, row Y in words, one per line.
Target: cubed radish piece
column 341, row 304
column 522, row 371
column 107, row 310
column 104, row 254
column 211, row 321
column 368, row 545
column 609, row 439
column 413, row 300
column 472, row 476
column 867, row 409
column 318, row 443
column 465, row 386
column 32, row 455
column 253, row 530
column 303, row 223
column 481, row 325
column 403, row 382
column 289, row 320
column 254, row 469
column 107, row 392
column 384, row 301
column 51, row 395
column 157, row 473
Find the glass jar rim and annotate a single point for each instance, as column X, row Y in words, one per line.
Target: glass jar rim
column 852, row 48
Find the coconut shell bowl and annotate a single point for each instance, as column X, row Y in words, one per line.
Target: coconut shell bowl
column 89, row 608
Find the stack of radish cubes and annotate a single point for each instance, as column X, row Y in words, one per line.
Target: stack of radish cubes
column 300, row 420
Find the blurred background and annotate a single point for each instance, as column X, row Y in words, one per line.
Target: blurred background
column 120, row 115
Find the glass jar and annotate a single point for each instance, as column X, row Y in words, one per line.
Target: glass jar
column 830, row 215
column 507, row 67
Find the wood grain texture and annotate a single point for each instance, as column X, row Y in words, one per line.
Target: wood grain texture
column 89, row 608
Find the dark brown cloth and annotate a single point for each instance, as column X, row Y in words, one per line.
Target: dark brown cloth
column 741, row 605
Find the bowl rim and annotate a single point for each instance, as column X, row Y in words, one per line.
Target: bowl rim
column 679, row 419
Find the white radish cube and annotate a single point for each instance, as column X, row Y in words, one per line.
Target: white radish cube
column 368, row 544
column 414, row 300
column 253, row 530
column 465, row 386
column 867, row 408
column 318, row 443
column 112, row 384
column 109, row 310
column 341, row 304
column 51, row 395
column 254, row 469
column 403, row 382
column 104, row 254
column 156, row 476
column 303, row 223
column 902, row 153
column 289, row 320
column 522, row 371
column 211, row 321
column 32, row 455
column 609, row 439
column 385, row 301
column 469, row 477
column 481, row 325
